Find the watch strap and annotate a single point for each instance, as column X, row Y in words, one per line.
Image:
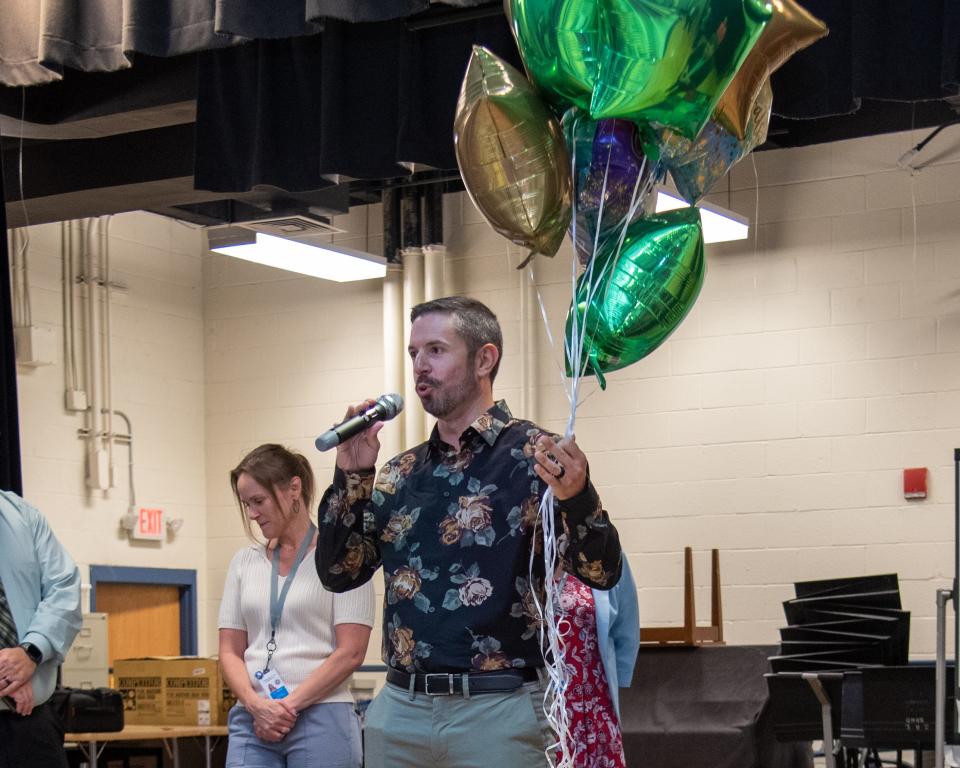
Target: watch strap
column 35, row 654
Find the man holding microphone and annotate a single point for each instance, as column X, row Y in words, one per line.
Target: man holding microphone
column 453, row 522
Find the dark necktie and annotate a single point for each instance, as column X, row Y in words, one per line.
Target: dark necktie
column 8, row 630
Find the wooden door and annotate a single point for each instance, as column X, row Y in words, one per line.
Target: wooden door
column 144, row 619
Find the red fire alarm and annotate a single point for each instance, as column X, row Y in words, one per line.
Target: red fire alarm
column 915, row 483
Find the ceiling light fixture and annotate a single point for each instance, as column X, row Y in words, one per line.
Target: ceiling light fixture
column 323, row 260
column 719, row 224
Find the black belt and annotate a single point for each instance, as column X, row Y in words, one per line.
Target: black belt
column 452, row 683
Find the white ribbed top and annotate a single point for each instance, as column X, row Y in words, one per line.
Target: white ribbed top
column 305, row 637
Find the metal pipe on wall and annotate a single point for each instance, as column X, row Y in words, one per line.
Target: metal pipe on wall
column 394, row 378
column 528, row 344
column 394, row 344
column 415, row 423
column 70, row 321
column 432, row 224
column 391, row 224
column 105, row 358
column 415, row 431
column 434, row 260
column 97, row 463
column 434, row 257
column 434, row 252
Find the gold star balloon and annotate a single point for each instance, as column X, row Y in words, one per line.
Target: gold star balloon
column 790, row 29
column 512, row 155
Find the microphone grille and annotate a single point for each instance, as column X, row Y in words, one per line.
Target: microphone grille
column 392, row 404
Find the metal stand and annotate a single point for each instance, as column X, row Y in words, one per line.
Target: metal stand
column 943, row 595
column 940, row 696
column 956, row 585
column 829, row 751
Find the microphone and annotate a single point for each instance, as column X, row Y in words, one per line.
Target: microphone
column 384, row 409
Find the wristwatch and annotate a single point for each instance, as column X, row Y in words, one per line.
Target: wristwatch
column 35, row 654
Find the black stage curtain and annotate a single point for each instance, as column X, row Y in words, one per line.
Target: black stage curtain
column 9, row 418
column 358, row 99
column 877, row 49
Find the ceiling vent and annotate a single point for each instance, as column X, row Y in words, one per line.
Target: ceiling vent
column 292, row 226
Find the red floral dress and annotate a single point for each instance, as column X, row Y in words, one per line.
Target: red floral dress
column 594, row 728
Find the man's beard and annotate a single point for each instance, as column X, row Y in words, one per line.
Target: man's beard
column 444, row 400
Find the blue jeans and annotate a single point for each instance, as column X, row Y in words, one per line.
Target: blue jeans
column 324, row 736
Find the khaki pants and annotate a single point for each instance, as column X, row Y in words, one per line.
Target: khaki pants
column 501, row 730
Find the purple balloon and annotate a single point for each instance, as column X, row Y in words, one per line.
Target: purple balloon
column 608, row 162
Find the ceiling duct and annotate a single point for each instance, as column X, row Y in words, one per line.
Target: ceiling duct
column 293, row 226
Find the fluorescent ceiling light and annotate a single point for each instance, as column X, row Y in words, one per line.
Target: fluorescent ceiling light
column 719, row 224
column 329, row 262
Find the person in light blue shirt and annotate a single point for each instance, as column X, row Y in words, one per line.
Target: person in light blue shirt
column 39, row 618
column 618, row 630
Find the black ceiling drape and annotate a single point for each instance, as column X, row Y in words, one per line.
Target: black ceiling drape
column 356, row 100
column 10, row 479
column 877, row 49
column 359, row 99
column 41, row 39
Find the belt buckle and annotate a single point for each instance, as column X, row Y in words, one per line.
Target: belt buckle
column 446, row 676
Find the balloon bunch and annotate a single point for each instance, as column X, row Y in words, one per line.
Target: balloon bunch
column 617, row 93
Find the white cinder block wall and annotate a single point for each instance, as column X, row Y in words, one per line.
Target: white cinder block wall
column 285, row 355
column 820, row 360
column 775, row 423
column 157, row 362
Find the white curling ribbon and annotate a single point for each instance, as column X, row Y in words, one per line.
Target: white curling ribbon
column 560, row 753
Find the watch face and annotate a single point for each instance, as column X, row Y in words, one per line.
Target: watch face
column 33, row 652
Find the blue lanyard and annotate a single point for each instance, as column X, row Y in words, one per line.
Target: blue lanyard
column 276, row 603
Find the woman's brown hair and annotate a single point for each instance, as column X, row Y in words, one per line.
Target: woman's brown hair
column 273, row 466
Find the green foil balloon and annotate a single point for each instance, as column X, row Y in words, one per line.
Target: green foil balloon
column 512, row 155
column 632, row 301
column 669, row 61
column 558, row 41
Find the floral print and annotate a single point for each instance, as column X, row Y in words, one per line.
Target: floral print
column 398, row 526
column 595, row 734
column 454, row 465
column 469, row 521
column 469, row 512
column 523, row 517
column 391, row 479
column 401, row 651
column 489, row 657
column 405, row 584
column 526, row 609
column 473, row 590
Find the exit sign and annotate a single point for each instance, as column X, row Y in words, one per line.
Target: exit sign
column 149, row 524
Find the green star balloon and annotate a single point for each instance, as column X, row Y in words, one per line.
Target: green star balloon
column 669, row 61
column 558, row 41
column 633, row 300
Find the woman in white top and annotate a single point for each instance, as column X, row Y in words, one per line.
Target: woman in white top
column 287, row 646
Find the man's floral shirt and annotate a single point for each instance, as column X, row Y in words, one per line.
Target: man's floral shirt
column 453, row 530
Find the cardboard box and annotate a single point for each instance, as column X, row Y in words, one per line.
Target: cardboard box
column 172, row 690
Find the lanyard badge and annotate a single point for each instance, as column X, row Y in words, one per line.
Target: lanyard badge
column 269, row 679
column 272, row 684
